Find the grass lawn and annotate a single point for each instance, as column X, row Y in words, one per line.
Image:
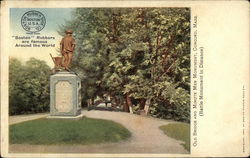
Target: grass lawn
column 179, row 131
column 63, row 131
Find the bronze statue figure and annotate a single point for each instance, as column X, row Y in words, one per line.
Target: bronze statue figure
column 67, row 46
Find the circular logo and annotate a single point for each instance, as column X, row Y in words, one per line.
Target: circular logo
column 33, row 21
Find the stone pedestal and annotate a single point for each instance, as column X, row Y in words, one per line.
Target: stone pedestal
column 65, row 95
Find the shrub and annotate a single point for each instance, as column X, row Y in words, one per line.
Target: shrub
column 28, row 86
column 177, row 107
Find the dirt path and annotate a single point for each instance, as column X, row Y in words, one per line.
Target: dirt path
column 146, row 137
column 22, row 118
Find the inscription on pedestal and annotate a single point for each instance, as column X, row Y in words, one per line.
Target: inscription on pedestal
column 63, row 96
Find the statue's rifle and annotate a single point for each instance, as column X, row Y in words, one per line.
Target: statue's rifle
column 52, row 58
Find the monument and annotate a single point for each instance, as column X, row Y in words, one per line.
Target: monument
column 65, row 85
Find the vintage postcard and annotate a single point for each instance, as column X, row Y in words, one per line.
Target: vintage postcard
column 124, row 78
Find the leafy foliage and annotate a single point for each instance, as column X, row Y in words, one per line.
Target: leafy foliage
column 29, row 86
column 137, row 53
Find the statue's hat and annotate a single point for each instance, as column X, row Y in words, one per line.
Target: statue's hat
column 68, row 31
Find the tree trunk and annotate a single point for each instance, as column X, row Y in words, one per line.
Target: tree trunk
column 146, row 108
column 127, row 104
column 142, row 103
column 129, row 101
column 116, row 101
column 89, row 102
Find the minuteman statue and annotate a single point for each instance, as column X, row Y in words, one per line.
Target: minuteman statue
column 67, row 47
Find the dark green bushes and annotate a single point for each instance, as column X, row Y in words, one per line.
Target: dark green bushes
column 28, row 86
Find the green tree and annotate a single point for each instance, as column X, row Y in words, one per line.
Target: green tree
column 90, row 57
column 16, row 95
column 29, row 86
column 137, row 53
